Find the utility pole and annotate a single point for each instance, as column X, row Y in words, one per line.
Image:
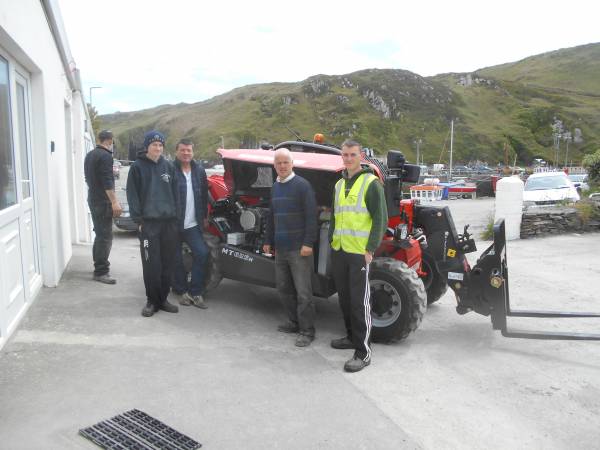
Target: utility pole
column 451, row 142
column 567, row 138
column 418, row 142
column 557, row 138
column 222, row 142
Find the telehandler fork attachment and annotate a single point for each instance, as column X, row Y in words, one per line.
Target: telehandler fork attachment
column 489, row 291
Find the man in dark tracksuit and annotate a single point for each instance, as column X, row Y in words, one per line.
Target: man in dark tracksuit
column 292, row 230
column 357, row 226
column 152, row 196
column 193, row 212
column 103, row 203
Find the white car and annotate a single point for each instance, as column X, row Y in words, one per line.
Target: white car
column 549, row 188
column 580, row 180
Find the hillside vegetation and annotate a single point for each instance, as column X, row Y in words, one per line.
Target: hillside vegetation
column 511, row 110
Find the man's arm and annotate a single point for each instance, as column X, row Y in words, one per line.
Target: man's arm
column 179, row 208
column 310, row 216
column 377, row 207
column 108, row 183
column 204, row 193
column 332, row 217
column 117, row 209
column 133, row 195
column 270, row 228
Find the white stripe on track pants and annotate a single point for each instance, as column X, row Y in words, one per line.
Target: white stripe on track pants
column 351, row 276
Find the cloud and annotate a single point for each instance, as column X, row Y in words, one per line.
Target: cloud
column 195, row 50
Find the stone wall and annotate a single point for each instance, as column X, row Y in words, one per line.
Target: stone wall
column 556, row 220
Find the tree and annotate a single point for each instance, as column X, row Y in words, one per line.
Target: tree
column 94, row 119
column 592, row 165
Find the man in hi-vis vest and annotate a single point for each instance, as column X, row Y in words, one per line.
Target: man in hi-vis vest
column 357, row 226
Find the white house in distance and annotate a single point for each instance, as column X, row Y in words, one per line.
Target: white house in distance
column 44, row 134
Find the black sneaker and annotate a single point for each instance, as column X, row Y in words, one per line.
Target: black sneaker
column 288, row 327
column 106, row 279
column 344, row 343
column 168, row 307
column 356, row 364
column 148, row 310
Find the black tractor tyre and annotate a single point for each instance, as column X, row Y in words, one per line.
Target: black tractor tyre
column 434, row 282
column 213, row 275
column 398, row 300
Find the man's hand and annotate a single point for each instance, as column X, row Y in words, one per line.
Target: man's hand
column 206, row 224
column 306, row 251
column 368, row 257
column 267, row 249
column 117, row 210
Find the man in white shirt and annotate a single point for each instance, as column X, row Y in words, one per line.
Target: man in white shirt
column 193, row 198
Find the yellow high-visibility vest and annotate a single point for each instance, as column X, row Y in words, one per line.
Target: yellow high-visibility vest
column 352, row 219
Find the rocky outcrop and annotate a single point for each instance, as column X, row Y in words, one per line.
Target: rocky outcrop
column 377, row 102
column 289, row 100
column 316, row 86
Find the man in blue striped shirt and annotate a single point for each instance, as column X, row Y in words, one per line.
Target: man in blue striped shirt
column 291, row 233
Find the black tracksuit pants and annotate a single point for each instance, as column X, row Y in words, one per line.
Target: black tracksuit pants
column 351, row 276
column 158, row 240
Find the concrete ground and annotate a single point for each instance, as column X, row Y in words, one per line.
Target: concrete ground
column 228, row 379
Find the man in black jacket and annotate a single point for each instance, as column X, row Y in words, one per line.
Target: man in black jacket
column 103, row 203
column 152, row 196
column 193, row 202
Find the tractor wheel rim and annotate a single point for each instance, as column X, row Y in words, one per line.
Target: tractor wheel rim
column 387, row 304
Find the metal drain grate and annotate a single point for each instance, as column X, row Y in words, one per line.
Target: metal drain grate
column 136, row 430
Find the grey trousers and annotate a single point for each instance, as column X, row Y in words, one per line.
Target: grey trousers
column 293, row 274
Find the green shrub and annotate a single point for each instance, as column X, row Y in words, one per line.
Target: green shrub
column 592, row 165
column 488, row 233
column 587, row 210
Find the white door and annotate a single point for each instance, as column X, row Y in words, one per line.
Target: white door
column 30, row 256
column 19, row 267
column 12, row 293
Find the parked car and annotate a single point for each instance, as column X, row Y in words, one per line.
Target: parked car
column 124, row 222
column 217, row 169
column 484, row 170
column 580, row 181
column 461, row 169
column 549, row 188
column 116, row 169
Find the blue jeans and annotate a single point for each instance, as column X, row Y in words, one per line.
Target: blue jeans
column 193, row 238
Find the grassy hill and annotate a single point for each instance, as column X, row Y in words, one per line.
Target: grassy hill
column 570, row 70
column 512, row 106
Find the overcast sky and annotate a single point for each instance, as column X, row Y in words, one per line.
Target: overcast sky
column 144, row 53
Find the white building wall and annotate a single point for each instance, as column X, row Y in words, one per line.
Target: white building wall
column 31, row 34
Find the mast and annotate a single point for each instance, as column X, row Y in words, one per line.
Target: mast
column 451, row 141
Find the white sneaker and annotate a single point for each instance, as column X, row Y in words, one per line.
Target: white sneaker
column 198, row 301
column 186, row 299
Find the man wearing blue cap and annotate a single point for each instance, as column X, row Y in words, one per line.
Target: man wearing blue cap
column 152, row 197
